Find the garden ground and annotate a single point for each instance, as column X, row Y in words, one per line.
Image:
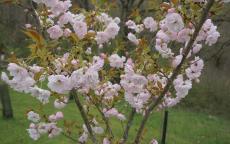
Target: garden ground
column 184, row 127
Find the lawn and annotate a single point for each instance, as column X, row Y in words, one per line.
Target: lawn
column 184, row 127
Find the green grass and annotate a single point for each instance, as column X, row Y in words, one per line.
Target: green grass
column 184, row 127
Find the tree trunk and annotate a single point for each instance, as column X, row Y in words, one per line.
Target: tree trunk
column 164, row 131
column 7, row 110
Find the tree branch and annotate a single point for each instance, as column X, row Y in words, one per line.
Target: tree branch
column 108, row 128
column 69, row 137
column 128, row 126
column 124, row 15
column 176, row 70
column 86, row 4
column 140, row 3
column 80, row 4
column 84, row 117
column 131, row 3
column 36, row 17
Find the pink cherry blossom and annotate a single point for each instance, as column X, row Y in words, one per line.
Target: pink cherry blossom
column 150, row 24
column 80, row 29
column 55, row 32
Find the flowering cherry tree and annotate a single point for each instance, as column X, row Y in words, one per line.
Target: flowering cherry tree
column 106, row 63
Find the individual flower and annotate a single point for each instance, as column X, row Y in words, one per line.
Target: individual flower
column 117, row 20
column 139, row 28
column 154, row 141
column 56, row 117
column 34, row 117
column 59, row 84
column 163, row 49
column 131, row 24
column 67, row 32
column 184, row 35
column 83, row 138
column 150, row 24
column 112, row 30
column 133, row 38
column 101, row 38
column 182, row 86
column 60, row 7
column 55, row 32
column 177, row 60
column 212, row 37
column 194, row 71
column 33, row 133
column 80, row 29
column 65, row 19
column 174, row 22
column 196, row 48
column 106, row 141
column 116, row 61
column 163, row 36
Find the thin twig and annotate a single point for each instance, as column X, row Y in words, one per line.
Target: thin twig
column 175, row 72
column 69, row 137
column 219, row 51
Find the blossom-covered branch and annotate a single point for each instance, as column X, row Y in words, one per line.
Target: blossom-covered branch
column 177, row 69
column 152, row 66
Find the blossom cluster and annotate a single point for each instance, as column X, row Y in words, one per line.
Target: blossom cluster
column 59, row 28
column 38, row 128
column 134, row 85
